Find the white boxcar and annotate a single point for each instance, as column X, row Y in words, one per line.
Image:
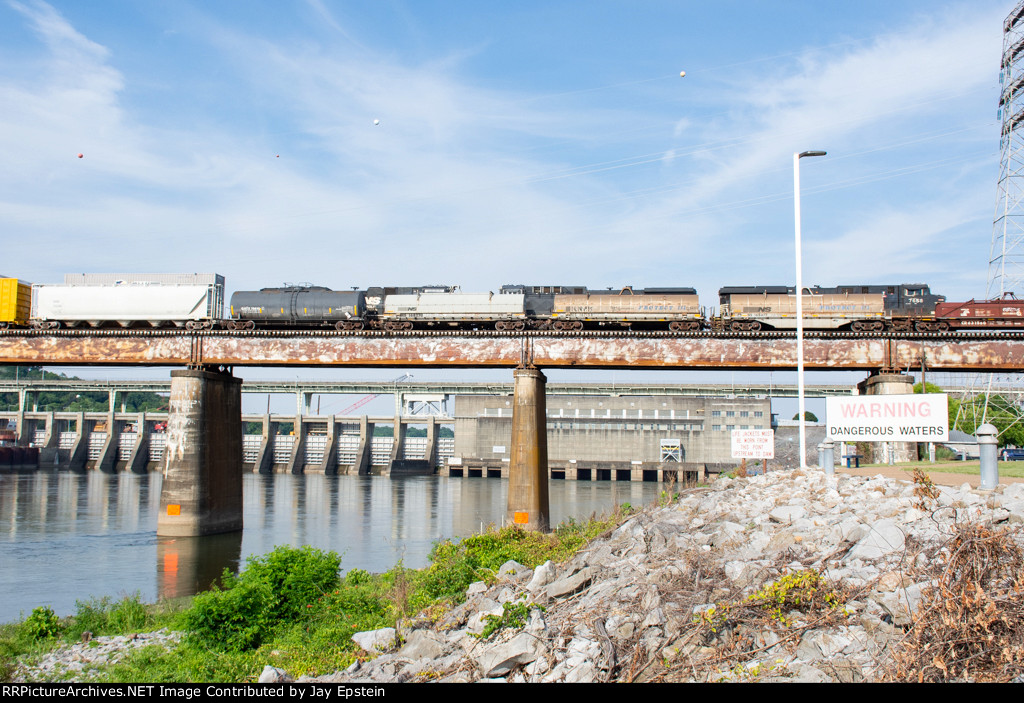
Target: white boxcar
column 195, row 301
column 454, row 308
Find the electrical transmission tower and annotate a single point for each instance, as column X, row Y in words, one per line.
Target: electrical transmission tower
column 1006, row 257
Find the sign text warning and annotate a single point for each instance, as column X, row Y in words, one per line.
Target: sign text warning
column 890, row 418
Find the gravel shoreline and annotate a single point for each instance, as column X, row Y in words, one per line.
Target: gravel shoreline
column 624, row 608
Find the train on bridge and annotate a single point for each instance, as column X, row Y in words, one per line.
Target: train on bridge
column 196, row 301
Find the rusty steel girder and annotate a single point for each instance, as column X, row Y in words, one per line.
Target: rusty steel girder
column 474, row 351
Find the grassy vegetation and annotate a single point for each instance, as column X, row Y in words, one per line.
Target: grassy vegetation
column 1012, row 469
column 290, row 609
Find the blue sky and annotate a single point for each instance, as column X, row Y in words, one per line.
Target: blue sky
column 517, row 142
column 534, row 142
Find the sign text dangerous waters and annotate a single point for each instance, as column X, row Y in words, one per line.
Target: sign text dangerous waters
column 892, row 418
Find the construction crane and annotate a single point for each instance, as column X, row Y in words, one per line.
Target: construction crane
column 366, row 399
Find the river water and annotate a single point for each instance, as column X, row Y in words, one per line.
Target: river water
column 68, row 536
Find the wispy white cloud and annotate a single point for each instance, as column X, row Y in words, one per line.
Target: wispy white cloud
column 890, row 86
column 463, row 181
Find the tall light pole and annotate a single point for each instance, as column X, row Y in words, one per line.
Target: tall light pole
column 800, row 305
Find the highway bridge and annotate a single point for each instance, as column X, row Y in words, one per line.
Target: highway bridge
column 411, row 397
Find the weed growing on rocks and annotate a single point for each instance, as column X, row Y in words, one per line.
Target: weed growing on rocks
column 791, row 603
column 925, row 492
column 514, row 615
column 804, row 591
column 970, row 626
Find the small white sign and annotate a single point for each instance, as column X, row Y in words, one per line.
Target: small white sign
column 888, row 418
column 498, row 449
column 753, row 444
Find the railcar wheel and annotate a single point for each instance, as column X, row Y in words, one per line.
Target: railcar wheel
column 868, row 326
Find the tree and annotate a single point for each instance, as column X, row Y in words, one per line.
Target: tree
column 72, row 401
column 969, row 414
column 808, row 416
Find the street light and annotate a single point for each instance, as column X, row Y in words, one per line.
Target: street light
column 800, row 305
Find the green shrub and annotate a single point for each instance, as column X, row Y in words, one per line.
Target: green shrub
column 41, row 624
column 277, row 588
column 236, row 619
column 297, row 576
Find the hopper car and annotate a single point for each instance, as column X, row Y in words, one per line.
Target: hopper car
column 193, row 301
column 1005, row 312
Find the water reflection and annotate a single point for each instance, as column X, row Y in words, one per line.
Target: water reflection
column 187, row 565
column 68, row 536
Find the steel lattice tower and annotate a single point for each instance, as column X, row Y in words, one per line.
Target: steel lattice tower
column 1006, row 258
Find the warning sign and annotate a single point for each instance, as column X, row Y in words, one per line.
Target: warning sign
column 888, row 418
column 753, row 444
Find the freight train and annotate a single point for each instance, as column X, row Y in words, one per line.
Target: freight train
column 196, row 301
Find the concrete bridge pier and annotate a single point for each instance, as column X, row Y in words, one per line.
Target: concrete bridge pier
column 889, row 384
column 528, row 469
column 202, row 486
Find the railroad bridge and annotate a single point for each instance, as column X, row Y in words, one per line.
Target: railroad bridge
column 872, row 352
column 202, row 469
